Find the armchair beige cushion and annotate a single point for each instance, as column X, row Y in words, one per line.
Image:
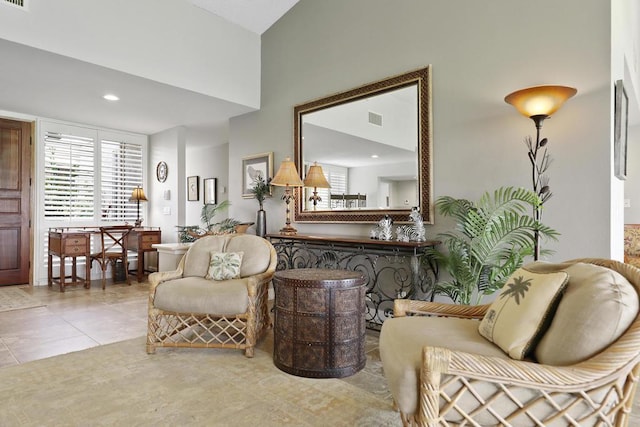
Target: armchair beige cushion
column 521, row 311
column 224, row 265
column 598, row 305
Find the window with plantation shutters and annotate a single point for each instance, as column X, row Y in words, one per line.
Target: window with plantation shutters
column 121, row 172
column 74, row 172
column 85, row 178
column 68, row 176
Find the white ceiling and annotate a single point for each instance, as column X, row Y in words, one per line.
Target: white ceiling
column 254, row 15
column 40, row 83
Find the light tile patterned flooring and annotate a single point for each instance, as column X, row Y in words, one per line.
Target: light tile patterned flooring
column 79, row 318
column 74, row 320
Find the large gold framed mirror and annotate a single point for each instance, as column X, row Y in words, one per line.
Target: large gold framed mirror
column 373, row 144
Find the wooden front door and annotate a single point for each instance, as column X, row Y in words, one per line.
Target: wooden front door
column 15, row 189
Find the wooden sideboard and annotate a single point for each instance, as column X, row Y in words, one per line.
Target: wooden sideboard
column 392, row 269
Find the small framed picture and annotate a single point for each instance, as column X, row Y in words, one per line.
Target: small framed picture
column 210, row 191
column 254, row 167
column 621, row 123
column 193, row 188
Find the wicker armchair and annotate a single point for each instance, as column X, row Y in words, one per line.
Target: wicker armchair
column 632, row 244
column 188, row 310
column 455, row 382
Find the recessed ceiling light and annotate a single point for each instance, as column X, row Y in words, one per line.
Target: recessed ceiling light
column 111, row 97
column 374, row 156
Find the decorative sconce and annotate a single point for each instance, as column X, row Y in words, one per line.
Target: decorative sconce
column 315, row 178
column 287, row 177
column 138, row 196
column 539, row 103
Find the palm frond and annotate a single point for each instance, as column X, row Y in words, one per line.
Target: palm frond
column 490, row 241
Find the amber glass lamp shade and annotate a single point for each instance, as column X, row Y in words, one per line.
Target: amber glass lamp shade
column 540, row 100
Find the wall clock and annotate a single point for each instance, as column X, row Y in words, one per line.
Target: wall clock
column 162, row 170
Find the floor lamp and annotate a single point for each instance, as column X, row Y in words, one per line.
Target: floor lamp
column 138, row 196
column 287, row 177
column 539, row 103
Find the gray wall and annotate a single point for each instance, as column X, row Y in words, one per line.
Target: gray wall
column 480, row 52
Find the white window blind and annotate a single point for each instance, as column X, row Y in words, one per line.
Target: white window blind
column 121, row 172
column 69, row 176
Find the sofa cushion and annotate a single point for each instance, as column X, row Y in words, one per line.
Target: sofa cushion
column 401, row 343
column 224, row 265
column 257, row 253
column 598, row 305
column 516, row 319
column 196, row 260
column 197, row 295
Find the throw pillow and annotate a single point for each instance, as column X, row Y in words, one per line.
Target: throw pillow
column 598, row 305
column 517, row 317
column 224, row 265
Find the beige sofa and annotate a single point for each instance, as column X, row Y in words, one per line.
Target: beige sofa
column 580, row 370
column 189, row 309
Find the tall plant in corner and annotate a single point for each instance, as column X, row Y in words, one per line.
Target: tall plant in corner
column 491, row 239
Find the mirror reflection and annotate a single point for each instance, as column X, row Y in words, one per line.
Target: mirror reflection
column 373, row 145
column 367, row 150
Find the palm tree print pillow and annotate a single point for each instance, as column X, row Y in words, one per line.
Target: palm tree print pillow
column 224, row 265
column 522, row 310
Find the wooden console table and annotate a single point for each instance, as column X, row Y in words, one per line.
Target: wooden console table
column 65, row 243
column 141, row 240
column 392, row 269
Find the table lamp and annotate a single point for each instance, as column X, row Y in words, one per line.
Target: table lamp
column 287, row 177
column 138, row 196
column 315, row 178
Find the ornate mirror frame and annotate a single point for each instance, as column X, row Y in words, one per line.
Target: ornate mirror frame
column 421, row 78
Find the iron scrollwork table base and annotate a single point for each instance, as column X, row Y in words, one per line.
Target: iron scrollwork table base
column 392, row 269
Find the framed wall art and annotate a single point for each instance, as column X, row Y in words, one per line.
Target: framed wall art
column 253, row 167
column 621, row 124
column 210, row 191
column 193, row 188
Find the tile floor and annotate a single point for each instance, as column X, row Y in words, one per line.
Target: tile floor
column 74, row 320
column 78, row 319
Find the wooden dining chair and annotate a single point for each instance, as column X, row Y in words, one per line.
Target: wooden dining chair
column 113, row 245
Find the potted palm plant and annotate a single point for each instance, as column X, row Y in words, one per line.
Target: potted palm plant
column 190, row 233
column 260, row 190
column 491, row 239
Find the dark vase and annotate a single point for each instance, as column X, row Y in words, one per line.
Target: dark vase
column 261, row 223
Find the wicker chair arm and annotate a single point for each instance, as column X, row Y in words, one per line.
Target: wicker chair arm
column 574, row 378
column 162, row 276
column 255, row 282
column 263, row 278
column 403, row 307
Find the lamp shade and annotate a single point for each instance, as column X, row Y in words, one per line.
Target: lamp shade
column 287, row 175
column 315, row 177
column 138, row 195
column 540, row 100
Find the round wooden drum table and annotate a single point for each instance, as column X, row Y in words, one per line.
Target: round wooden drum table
column 319, row 322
